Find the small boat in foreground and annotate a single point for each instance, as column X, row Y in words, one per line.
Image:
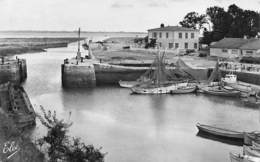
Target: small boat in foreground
column 250, row 151
column 242, row 158
column 220, row 132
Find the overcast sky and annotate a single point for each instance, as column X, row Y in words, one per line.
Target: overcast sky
column 103, row 15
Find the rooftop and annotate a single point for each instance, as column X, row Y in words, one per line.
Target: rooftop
column 237, row 43
column 172, row 28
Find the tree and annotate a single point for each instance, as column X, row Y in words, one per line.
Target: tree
column 221, row 21
column 151, row 43
column 237, row 27
column 59, row 144
column 207, row 38
column 193, row 20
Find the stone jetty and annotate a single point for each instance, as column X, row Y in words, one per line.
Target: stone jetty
column 12, row 70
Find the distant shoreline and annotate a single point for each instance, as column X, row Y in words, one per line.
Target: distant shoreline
column 13, row 46
column 54, row 31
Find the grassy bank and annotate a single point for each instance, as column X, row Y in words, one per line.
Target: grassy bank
column 12, row 46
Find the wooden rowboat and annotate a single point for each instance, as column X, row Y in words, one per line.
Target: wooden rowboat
column 251, row 151
column 220, row 132
column 242, row 158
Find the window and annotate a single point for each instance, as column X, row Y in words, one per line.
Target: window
column 195, row 45
column 186, row 45
column 154, row 35
column 176, row 45
column 160, row 44
column 170, row 45
column 224, row 50
column 234, row 51
column 167, row 35
column 186, row 35
column 180, row 35
column 192, row 35
column 160, row 35
column 249, row 52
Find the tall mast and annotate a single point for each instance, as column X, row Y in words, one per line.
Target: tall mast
column 78, row 53
column 159, row 66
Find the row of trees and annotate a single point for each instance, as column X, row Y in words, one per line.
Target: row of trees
column 218, row 23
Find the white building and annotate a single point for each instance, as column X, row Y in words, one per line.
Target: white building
column 236, row 47
column 175, row 37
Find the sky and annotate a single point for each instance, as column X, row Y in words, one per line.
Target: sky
column 104, row 15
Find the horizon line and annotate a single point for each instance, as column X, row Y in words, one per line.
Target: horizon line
column 71, row 31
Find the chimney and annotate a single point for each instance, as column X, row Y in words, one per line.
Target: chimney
column 162, row 25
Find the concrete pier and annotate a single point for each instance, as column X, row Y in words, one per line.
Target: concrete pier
column 13, row 70
column 77, row 74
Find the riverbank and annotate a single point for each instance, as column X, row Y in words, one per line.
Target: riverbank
column 17, row 115
column 12, row 46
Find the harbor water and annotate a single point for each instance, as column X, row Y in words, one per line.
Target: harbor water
column 135, row 128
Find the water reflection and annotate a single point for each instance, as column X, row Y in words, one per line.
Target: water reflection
column 158, row 109
column 221, row 139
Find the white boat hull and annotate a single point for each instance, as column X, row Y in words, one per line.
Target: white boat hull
column 157, row 90
column 128, row 84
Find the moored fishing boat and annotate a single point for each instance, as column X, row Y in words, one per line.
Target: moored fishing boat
column 242, row 158
column 160, row 81
column 220, row 91
column 220, row 132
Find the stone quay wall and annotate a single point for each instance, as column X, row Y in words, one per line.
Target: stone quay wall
column 89, row 74
column 75, row 76
column 14, row 71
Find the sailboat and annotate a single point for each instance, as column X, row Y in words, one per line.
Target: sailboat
column 215, row 86
column 159, row 81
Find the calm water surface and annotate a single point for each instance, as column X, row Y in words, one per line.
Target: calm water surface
column 136, row 128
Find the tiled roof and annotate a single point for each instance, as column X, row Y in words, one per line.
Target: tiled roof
column 234, row 43
column 172, row 28
column 253, row 45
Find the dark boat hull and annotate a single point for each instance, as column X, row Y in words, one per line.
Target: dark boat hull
column 220, row 132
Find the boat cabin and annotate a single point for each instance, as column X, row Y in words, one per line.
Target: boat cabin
column 229, row 78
